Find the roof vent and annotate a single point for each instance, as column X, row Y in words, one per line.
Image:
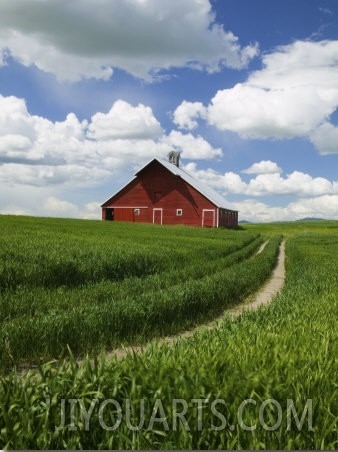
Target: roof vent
column 174, row 158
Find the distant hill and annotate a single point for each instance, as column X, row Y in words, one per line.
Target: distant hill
column 244, row 222
column 312, row 219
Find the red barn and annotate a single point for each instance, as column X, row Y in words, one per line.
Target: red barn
column 163, row 193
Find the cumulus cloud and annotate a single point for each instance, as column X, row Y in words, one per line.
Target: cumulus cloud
column 83, row 38
column 14, row 118
column 58, row 206
column 322, row 206
column 318, row 207
column 269, row 184
column 260, row 212
column 43, row 175
column 14, row 146
column 325, row 138
column 186, row 114
column 263, row 167
column 125, row 121
column 61, row 208
column 227, row 183
column 35, row 151
column 45, row 201
column 293, row 95
column 192, row 147
column 259, row 113
column 296, row 183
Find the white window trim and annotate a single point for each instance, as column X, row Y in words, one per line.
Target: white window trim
column 179, row 212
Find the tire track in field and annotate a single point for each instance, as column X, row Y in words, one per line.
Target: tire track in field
column 269, row 290
column 263, row 297
column 261, row 248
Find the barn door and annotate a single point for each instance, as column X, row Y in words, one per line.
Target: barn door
column 109, row 214
column 157, row 216
column 124, row 214
column 208, row 218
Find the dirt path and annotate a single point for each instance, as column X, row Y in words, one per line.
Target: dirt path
column 269, row 289
column 261, row 248
column 262, row 297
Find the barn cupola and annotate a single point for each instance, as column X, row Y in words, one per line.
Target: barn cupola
column 174, row 158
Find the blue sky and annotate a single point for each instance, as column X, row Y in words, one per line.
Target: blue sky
column 246, row 90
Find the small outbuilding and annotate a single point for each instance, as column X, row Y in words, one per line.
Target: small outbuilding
column 163, row 193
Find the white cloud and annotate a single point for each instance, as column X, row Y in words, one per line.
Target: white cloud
column 325, row 138
column 83, row 38
column 255, row 211
column 37, row 152
column 256, row 112
column 59, row 207
column 297, row 183
column 14, row 146
column 45, row 201
column 263, row 167
column 322, row 206
column 293, row 95
column 227, row 183
column 14, row 118
column 184, row 114
column 44, row 175
column 191, row 147
column 62, row 208
column 91, row 211
column 125, row 121
column 319, row 207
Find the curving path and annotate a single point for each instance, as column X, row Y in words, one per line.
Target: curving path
column 264, row 296
column 269, row 290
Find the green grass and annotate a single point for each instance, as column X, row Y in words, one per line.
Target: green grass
column 94, row 285
column 51, row 253
column 286, row 351
column 289, row 229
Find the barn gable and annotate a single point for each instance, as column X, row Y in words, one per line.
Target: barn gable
column 162, row 192
column 200, row 186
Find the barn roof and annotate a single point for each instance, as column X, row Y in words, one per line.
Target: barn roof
column 200, row 186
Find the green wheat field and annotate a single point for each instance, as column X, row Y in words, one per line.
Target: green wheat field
column 73, row 291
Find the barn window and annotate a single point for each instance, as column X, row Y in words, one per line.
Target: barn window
column 137, row 211
column 179, row 212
